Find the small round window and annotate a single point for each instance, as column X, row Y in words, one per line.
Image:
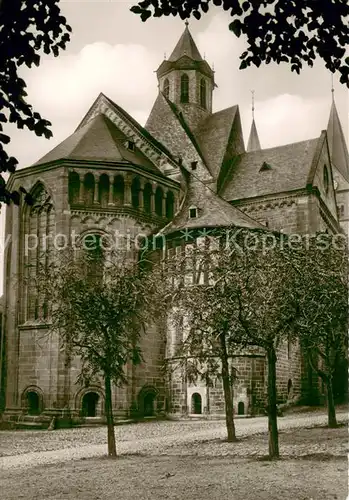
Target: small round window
column 326, row 179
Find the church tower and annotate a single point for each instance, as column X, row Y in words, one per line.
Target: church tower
column 187, row 80
column 340, row 162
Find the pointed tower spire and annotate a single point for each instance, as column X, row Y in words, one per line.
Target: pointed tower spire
column 253, row 141
column 185, row 47
column 336, row 142
column 187, row 81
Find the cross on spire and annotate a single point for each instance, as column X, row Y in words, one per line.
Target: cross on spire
column 186, row 23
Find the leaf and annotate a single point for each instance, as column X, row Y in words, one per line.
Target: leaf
column 235, row 27
column 145, row 15
column 4, row 138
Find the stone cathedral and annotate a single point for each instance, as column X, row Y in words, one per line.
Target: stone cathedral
column 188, row 167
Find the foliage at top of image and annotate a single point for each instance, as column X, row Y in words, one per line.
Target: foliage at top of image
column 28, row 29
column 292, row 31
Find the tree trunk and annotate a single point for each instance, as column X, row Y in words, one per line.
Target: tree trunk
column 272, row 409
column 110, row 419
column 228, row 397
column 331, row 410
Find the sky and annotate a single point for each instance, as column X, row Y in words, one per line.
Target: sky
column 114, row 52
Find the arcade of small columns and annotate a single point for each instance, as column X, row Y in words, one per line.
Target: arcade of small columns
column 124, row 189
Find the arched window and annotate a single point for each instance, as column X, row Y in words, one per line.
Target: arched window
column 166, row 88
column 39, row 221
column 135, row 189
column 104, row 190
column 196, row 404
column 119, row 189
column 184, row 88
column 169, row 205
column 89, row 188
column 158, row 201
column 93, row 247
column 74, row 188
column 147, row 193
column 203, row 93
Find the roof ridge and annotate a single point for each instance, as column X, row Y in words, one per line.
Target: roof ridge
column 180, row 117
column 282, row 146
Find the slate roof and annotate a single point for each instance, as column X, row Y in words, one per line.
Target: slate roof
column 253, row 140
column 168, row 125
column 213, row 137
column 336, row 143
column 185, row 47
column 213, row 211
column 290, row 168
column 99, row 139
column 185, row 55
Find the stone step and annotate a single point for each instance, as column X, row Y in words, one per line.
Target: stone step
column 31, row 425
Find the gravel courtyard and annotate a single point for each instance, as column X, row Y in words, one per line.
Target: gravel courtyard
column 178, row 460
column 28, row 448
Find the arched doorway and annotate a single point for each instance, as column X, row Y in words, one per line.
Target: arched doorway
column 196, row 404
column 33, row 403
column 147, row 401
column 89, row 404
column 148, row 404
column 241, row 408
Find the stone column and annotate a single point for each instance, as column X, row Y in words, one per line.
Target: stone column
column 152, row 199
column 140, row 195
column 81, row 188
column 164, row 204
column 96, row 193
column 127, row 192
column 111, row 191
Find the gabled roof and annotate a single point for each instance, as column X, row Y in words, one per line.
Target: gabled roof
column 336, row 143
column 167, row 124
column 290, row 169
column 128, row 118
column 253, row 141
column 212, row 210
column 185, row 47
column 98, row 139
column 213, row 135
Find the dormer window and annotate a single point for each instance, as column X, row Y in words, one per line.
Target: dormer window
column 194, row 165
column 193, row 213
column 130, row 145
